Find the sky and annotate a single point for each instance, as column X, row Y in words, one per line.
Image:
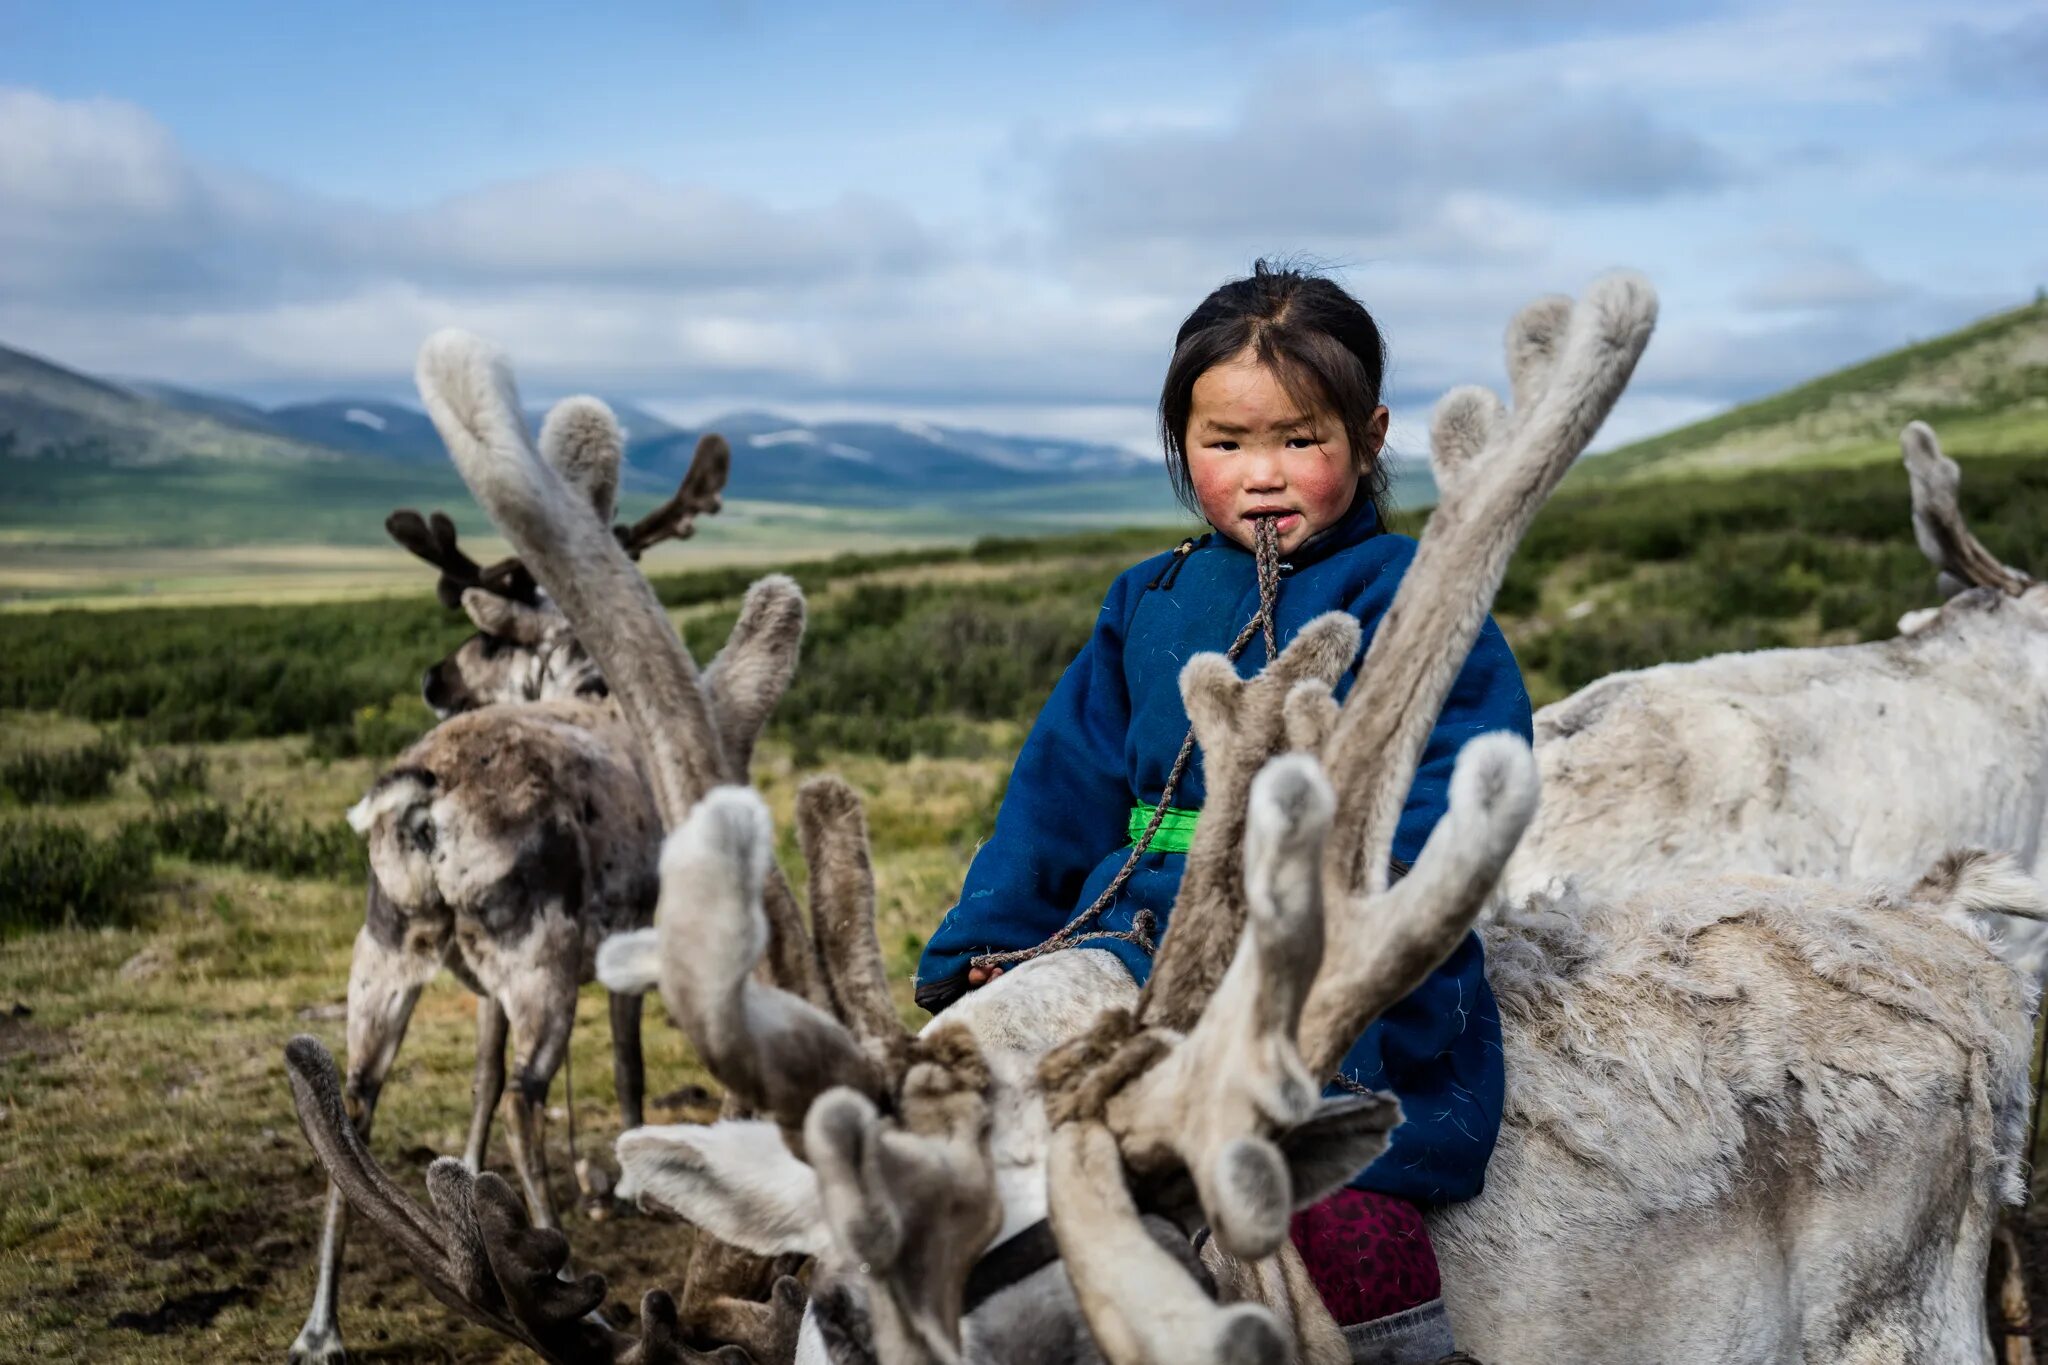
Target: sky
column 997, row 214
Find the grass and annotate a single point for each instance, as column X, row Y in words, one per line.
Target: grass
column 196, row 531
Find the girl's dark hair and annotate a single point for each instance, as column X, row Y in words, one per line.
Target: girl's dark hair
column 1320, row 342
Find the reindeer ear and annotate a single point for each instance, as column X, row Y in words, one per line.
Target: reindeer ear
column 398, row 792
column 734, row 1179
column 1342, row 1139
column 505, row 618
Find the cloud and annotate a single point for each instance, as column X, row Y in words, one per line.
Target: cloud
column 1444, row 168
column 1828, row 278
column 99, row 205
column 1316, row 154
column 2002, row 59
column 607, row 226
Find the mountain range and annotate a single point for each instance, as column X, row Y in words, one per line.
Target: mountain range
column 48, row 412
column 96, row 461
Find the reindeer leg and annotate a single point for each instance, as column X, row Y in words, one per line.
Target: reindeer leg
column 541, row 1021
column 629, row 1072
column 595, row 1182
column 383, row 986
column 489, row 1085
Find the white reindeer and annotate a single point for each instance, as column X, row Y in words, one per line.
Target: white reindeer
column 1850, row 762
column 1849, row 1105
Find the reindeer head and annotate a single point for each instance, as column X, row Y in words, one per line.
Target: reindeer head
column 1970, row 577
column 1200, row 1105
column 524, row 649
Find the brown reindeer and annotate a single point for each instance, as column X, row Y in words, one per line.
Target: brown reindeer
column 512, row 839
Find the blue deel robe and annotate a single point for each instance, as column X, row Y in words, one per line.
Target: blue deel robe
column 1106, row 741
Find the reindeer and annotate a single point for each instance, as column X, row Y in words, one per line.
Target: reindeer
column 918, row 1169
column 511, row 840
column 523, row 649
column 1856, row 761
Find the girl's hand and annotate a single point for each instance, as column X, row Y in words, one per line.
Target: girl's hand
column 981, row 976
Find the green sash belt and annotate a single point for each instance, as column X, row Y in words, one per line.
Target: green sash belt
column 1176, row 832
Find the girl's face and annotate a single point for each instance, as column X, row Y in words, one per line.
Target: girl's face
column 1253, row 452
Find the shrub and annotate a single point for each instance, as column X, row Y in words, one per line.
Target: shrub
column 58, row 775
column 54, row 874
column 174, row 774
column 374, row 731
column 257, row 837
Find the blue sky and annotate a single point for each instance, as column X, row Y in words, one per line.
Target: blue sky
column 997, row 214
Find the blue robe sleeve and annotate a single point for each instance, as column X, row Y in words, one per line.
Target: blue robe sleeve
column 1067, row 807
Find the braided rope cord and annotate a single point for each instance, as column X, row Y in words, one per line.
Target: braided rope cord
column 1266, row 547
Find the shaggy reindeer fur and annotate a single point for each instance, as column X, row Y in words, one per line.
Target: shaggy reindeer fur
column 1859, row 760
column 504, row 845
column 1803, row 1104
column 1751, row 1119
column 1856, row 761
column 509, row 843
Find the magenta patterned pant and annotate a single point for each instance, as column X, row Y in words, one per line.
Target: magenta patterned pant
column 1368, row 1254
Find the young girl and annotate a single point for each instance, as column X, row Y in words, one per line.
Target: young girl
column 1271, row 412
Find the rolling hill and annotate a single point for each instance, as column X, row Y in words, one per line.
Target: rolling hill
column 1984, row 387
column 49, row 413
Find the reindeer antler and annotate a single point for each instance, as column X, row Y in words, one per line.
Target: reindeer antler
column 775, row 1049
column 435, row 542
column 1494, row 470
column 1938, row 525
column 908, row 1119
column 477, row 1252
column 696, row 496
column 582, row 440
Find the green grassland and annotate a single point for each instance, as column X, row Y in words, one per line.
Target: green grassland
column 1985, row 388
column 146, row 1137
column 193, row 532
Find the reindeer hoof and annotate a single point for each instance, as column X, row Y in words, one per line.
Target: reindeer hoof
column 594, row 1183
column 318, row 1346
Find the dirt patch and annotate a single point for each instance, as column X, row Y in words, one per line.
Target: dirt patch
column 21, row 1038
column 218, row 1240
column 185, row 1311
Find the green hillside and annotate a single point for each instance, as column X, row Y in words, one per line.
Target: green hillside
column 1985, row 387
column 49, row 413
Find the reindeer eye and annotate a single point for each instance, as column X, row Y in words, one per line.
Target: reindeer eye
column 493, row 645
